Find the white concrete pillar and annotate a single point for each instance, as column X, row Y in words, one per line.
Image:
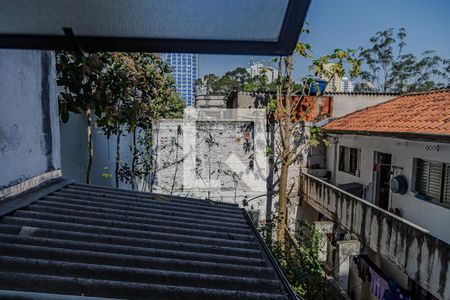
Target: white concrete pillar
column 345, row 252
column 323, row 227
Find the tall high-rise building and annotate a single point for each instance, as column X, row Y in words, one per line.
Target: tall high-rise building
column 185, row 71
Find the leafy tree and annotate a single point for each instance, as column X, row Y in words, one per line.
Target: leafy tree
column 299, row 260
column 388, row 68
column 125, row 91
column 259, row 83
column 293, row 138
column 208, row 84
column 153, row 97
column 84, row 90
column 238, row 79
column 122, row 78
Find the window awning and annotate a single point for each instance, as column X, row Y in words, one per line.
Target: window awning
column 269, row 27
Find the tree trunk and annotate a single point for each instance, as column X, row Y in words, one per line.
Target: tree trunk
column 90, row 146
column 133, row 162
column 282, row 199
column 118, row 133
column 270, row 176
column 285, row 136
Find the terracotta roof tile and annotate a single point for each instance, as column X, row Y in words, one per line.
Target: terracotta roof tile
column 417, row 113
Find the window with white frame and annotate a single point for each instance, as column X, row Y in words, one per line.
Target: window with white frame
column 432, row 180
column 350, row 160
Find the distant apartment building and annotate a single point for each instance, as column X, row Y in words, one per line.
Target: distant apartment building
column 185, row 71
column 346, row 85
column 258, row 69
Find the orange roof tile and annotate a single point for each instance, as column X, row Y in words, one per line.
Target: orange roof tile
column 425, row 113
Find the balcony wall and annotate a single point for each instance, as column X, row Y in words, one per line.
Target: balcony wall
column 29, row 128
column 416, row 252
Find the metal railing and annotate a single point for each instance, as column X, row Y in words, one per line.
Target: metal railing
column 292, row 295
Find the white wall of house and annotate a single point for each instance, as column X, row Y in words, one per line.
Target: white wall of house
column 74, row 155
column 29, row 133
column 346, row 103
column 428, row 215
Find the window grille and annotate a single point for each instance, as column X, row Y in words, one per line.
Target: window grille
column 350, row 160
column 446, row 188
column 433, row 180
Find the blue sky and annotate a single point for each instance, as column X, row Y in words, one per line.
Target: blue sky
column 350, row 23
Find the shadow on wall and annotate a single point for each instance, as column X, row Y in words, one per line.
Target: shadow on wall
column 29, row 133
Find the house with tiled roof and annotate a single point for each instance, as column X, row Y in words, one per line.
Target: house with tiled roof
column 385, row 185
column 408, row 138
column 419, row 116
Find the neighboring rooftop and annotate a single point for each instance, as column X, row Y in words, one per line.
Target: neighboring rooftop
column 82, row 240
column 363, row 93
column 210, row 101
column 424, row 114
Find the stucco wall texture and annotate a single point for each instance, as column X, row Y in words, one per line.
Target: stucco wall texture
column 29, row 129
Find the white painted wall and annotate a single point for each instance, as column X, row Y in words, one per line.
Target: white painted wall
column 344, row 104
column 29, row 130
column 428, row 215
column 74, row 153
column 226, row 127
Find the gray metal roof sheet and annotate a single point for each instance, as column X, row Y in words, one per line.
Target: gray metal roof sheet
column 81, row 240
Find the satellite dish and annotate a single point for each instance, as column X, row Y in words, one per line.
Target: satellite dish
column 399, row 184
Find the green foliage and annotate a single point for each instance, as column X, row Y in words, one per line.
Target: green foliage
column 293, row 110
column 83, row 82
column 388, row 69
column 298, row 259
column 317, row 136
column 143, row 158
column 272, row 105
column 236, row 80
column 106, row 173
column 336, row 64
column 126, row 91
column 291, row 123
column 126, row 87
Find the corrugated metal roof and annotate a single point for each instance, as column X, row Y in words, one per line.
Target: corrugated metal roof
column 83, row 240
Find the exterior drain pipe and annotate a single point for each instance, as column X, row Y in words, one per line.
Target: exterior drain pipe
column 336, row 146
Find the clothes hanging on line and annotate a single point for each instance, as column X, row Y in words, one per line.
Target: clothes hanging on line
column 394, row 292
column 363, row 268
column 381, row 286
column 378, row 285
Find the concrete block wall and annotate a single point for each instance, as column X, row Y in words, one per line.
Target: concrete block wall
column 233, row 146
